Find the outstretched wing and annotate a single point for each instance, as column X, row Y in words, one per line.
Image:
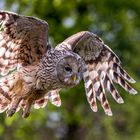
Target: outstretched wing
column 23, row 40
column 102, row 69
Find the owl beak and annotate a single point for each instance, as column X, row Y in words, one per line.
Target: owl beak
column 74, row 77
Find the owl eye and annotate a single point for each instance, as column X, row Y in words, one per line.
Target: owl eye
column 79, row 70
column 68, row 69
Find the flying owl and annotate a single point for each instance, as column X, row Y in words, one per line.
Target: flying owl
column 32, row 72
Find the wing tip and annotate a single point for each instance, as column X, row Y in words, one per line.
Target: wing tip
column 95, row 109
column 120, row 101
column 133, row 91
column 132, row 80
column 109, row 113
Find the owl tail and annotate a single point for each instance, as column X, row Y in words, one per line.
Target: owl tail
column 53, row 96
column 7, row 85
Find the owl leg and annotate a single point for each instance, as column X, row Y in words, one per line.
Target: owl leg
column 13, row 106
column 27, row 108
column 15, row 103
column 34, row 95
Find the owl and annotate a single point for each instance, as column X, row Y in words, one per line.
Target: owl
column 33, row 72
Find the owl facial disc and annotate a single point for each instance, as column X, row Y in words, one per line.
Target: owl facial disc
column 69, row 70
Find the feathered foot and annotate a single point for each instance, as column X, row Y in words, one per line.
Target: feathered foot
column 27, row 108
column 34, row 95
column 13, row 106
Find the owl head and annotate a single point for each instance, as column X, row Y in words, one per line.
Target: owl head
column 69, row 70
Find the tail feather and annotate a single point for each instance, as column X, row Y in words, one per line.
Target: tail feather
column 41, row 103
column 53, row 96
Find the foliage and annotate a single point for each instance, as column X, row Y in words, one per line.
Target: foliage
column 118, row 23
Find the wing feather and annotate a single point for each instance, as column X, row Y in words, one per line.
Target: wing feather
column 23, row 40
column 90, row 92
column 108, row 84
column 54, row 97
column 102, row 68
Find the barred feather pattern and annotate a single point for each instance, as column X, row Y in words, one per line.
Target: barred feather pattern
column 102, row 68
column 99, row 76
column 23, row 40
column 30, row 66
column 41, row 103
column 40, row 77
column 53, row 96
column 25, row 105
column 47, row 69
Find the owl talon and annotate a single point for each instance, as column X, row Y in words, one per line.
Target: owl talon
column 27, row 108
column 25, row 114
column 10, row 112
column 13, row 107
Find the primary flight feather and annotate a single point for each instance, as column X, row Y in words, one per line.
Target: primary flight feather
column 33, row 72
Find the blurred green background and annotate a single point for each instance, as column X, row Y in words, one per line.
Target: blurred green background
column 117, row 22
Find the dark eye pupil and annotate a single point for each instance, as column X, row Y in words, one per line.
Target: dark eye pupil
column 79, row 70
column 68, row 69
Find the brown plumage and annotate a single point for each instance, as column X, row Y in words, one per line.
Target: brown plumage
column 33, row 72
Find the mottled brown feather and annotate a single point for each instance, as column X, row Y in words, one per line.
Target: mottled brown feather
column 23, row 40
column 102, row 67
